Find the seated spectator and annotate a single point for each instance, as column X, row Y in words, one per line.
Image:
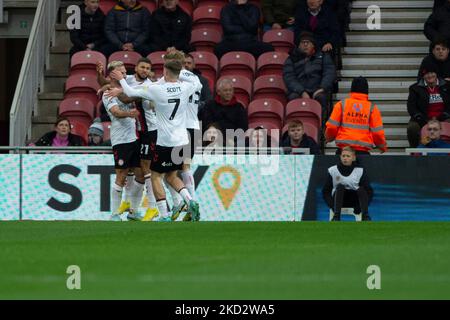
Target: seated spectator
column 321, row 22
column 437, row 4
column 240, row 22
column 428, row 99
column 95, row 136
column 170, row 27
column 61, row 136
column 90, row 35
column 278, row 14
column 309, row 73
column 212, row 136
column 206, row 95
column 259, row 140
column 224, row 110
column 437, row 25
column 439, row 56
column 297, row 138
column 433, row 138
column 348, row 186
column 127, row 28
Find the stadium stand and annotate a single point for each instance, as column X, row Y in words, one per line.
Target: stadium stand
column 281, row 40
column 129, row 58
column 242, row 88
column 79, row 109
column 271, row 63
column 270, row 86
column 208, row 64
column 205, row 39
column 238, row 63
column 84, row 62
column 266, row 110
column 305, row 110
column 157, row 59
column 207, row 17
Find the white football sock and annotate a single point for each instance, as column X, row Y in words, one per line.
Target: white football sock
column 176, row 199
column 116, row 197
column 135, row 195
column 188, row 180
column 162, row 208
column 184, row 193
column 128, row 186
column 149, row 189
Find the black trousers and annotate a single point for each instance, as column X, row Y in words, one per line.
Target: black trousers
column 358, row 200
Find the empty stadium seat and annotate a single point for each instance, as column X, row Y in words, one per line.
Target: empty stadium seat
column 106, row 130
column 281, row 40
column 268, row 110
column 157, row 59
column 306, row 110
column 445, row 131
column 270, row 86
column 86, row 62
column 217, row 3
column 82, row 86
column 107, row 5
column 271, row 63
column 205, row 39
column 207, row 17
column 238, row 63
column 242, row 88
column 77, row 108
column 129, row 58
column 80, row 128
column 310, row 130
column 208, row 64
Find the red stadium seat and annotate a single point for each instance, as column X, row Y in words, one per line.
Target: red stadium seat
column 271, row 63
column 238, row 63
column 149, row 4
column 129, row 58
column 207, row 17
column 281, row 40
column 306, row 110
column 82, row 86
column 217, row 3
column 242, row 88
column 78, row 109
column 80, row 128
column 86, row 62
column 106, row 130
column 208, row 64
column 157, row 59
column 107, row 5
column 268, row 110
column 311, row 130
column 270, row 86
column 445, row 131
column 205, row 39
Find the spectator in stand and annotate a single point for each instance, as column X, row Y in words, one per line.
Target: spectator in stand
column 297, row 138
column 278, row 14
column 170, row 27
column 95, row 136
column 437, row 25
column 428, row 99
column 322, row 22
column 348, row 186
column 224, row 110
column 127, row 28
column 433, row 138
column 61, row 136
column 437, row 4
column 90, row 35
column 206, row 95
column 440, row 57
column 212, row 136
column 356, row 121
column 240, row 22
column 309, row 73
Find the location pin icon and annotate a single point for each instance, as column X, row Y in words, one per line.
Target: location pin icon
column 226, row 195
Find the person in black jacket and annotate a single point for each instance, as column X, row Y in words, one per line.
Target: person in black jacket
column 205, row 95
column 127, row 28
column 224, row 110
column 170, row 27
column 438, row 24
column 440, row 57
column 296, row 137
column 321, row 22
column 61, row 136
column 348, row 186
column 428, row 99
column 240, row 22
column 90, row 36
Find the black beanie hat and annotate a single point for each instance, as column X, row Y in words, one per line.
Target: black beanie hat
column 427, row 66
column 360, row 85
column 305, row 35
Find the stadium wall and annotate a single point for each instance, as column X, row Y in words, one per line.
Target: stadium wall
column 229, row 188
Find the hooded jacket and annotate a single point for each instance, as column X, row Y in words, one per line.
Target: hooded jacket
column 240, row 22
column 91, row 29
column 438, row 24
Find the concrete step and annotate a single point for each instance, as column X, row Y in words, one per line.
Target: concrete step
column 399, row 26
column 62, row 39
column 422, row 50
column 51, row 96
column 39, row 129
column 402, row 143
column 391, row 14
column 396, row 119
column 402, row 96
column 379, row 86
column 44, row 119
column 393, row 61
column 59, row 61
column 426, row 4
column 47, row 107
column 386, row 36
column 54, row 84
column 57, row 73
column 379, row 73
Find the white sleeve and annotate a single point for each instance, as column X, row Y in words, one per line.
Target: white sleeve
column 141, row 92
column 187, row 76
column 110, row 102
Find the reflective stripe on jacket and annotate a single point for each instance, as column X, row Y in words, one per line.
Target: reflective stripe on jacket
column 356, row 122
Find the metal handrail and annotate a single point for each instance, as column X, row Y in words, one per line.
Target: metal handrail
column 32, row 72
column 425, row 151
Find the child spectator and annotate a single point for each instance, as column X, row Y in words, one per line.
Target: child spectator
column 297, row 138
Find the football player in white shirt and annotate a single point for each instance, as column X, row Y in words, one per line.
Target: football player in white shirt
column 171, row 98
column 147, row 136
column 124, row 142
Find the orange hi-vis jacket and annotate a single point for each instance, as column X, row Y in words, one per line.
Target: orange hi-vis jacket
column 356, row 122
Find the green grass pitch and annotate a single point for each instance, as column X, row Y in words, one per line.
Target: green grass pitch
column 206, row 260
